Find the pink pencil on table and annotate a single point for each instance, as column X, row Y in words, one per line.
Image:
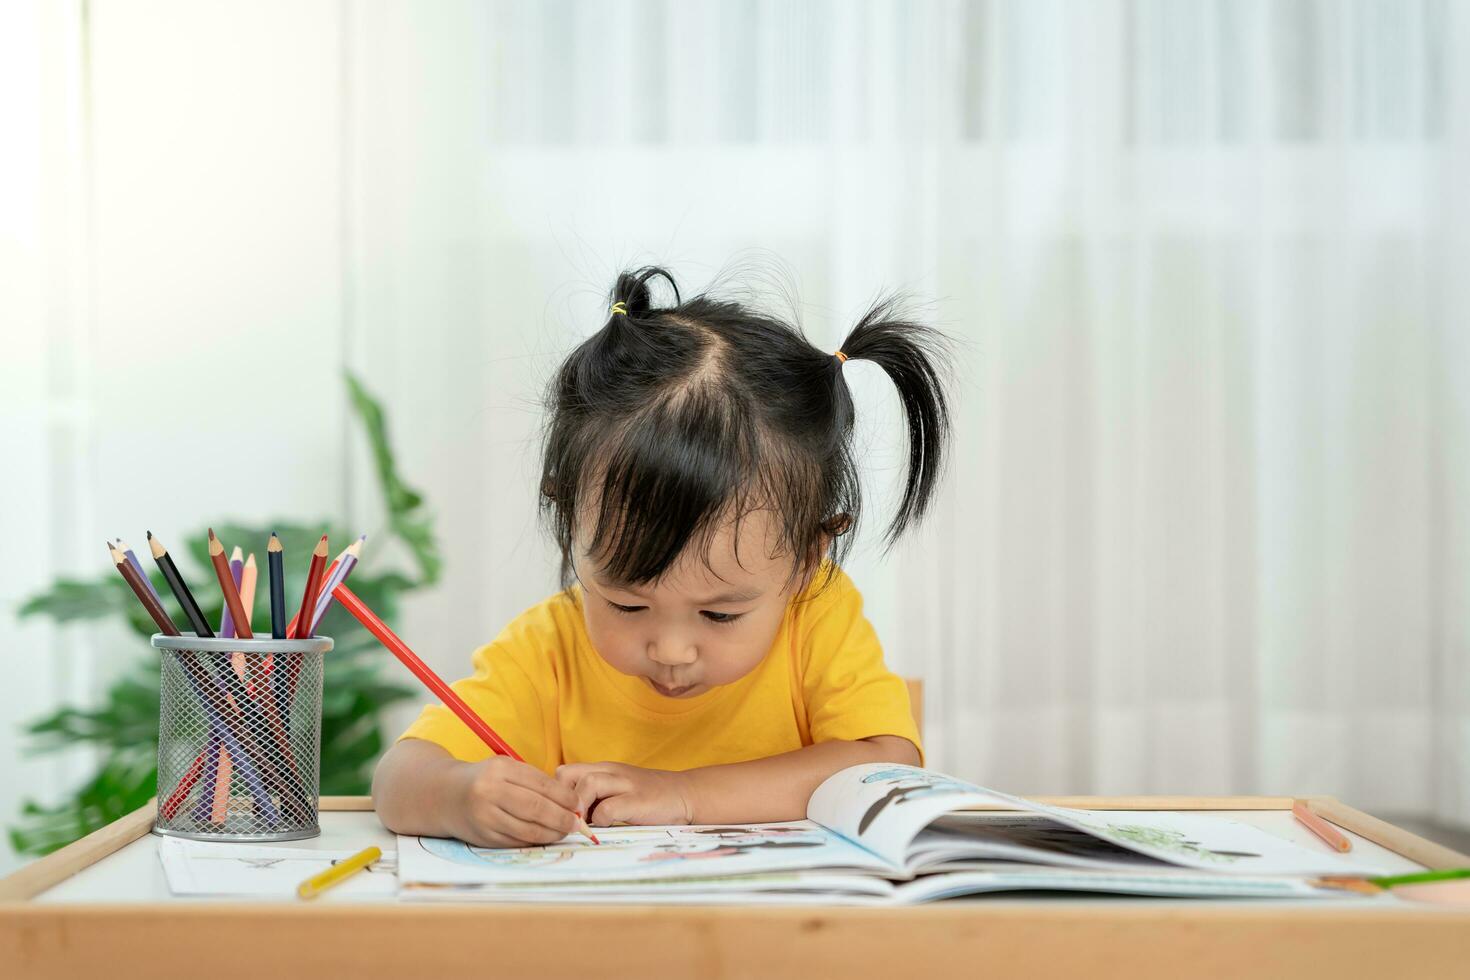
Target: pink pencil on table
column 1330, row 835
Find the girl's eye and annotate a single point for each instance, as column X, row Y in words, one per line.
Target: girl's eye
column 719, row 617
column 626, row 610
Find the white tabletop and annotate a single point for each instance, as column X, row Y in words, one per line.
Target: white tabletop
column 134, row 874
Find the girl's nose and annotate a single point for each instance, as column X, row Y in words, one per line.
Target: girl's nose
column 672, row 652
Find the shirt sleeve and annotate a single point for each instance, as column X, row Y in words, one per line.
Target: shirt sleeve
column 850, row 692
column 513, row 690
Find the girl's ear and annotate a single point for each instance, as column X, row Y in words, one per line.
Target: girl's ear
column 832, row 528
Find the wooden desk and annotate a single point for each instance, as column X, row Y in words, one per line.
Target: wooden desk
column 100, row 908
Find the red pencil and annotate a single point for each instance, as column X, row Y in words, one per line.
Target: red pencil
column 431, row 680
column 291, row 629
column 313, row 586
column 424, row 672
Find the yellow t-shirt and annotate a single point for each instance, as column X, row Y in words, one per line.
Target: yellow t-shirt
column 547, row 692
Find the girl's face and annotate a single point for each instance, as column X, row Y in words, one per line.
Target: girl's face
column 702, row 624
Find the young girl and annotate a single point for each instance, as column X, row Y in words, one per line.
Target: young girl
column 711, row 663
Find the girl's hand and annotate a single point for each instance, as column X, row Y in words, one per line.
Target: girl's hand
column 613, row 793
column 505, row 803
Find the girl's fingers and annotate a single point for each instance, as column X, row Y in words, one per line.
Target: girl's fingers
column 596, row 789
column 573, row 771
column 531, row 807
column 543, row 785
column 523, row 832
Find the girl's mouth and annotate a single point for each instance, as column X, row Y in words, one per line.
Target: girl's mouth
column 671, row 692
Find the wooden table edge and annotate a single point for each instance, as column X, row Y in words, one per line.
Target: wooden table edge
column 47, row 872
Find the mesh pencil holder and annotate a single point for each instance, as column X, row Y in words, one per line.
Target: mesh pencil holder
column 239, row 737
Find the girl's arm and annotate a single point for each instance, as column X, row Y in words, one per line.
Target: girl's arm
column 759, row 791
column 421, row 789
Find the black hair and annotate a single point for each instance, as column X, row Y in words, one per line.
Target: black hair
column 673, row 419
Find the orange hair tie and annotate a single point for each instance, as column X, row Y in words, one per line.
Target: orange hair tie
column 841, row 357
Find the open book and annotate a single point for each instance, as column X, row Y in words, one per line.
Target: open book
column 884, row 834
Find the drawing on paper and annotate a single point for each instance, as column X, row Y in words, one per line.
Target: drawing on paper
column 906, row 784
column 632, row 845
column 1172, row 841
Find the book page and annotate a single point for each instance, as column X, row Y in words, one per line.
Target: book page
column 883, row 807
column 632, row 854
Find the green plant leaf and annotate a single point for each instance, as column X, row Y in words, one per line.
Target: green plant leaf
column 123, row 785
column 404, row 504
column 69, row 600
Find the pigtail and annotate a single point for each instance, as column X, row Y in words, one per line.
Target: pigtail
column 910, row 354
column 632, row 293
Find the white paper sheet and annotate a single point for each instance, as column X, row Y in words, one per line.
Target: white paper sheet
column 265, row 870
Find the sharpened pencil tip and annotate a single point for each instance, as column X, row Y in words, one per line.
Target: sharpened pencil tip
column 321, row 547
column 274, row 545
column 150, row 535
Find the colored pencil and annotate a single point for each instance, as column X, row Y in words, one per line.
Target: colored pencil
column 237, row 571
column 313, row 587
column 133, row 560
column 214, row 806
column 337, row 873
column 1330, row 835
column 248, row 577
column 175, row 581
column 1418, row 877
column 267, row 689
column 296, row 620
column 227, row 586
column 343, row 567
column 278, row 587
column 432, row 681
column 216, row 704
column 336, row 574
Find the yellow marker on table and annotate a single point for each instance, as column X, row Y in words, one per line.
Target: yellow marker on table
column 341, row 871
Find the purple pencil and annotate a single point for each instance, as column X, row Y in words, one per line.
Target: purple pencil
column 133, row 560
column 237, row 571
column 345, row 564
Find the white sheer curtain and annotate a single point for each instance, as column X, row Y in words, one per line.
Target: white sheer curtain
column 1205, row 525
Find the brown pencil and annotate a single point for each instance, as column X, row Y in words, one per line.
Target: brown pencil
column 227, row 586
column 313, row 587
column 145, row 595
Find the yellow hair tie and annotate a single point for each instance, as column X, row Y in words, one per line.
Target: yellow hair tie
column 841, row 357
column 618, row 308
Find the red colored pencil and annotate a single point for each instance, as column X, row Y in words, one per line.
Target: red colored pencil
column 424, row 672
column 313, row 586
column 432, row 681
column 296, row 619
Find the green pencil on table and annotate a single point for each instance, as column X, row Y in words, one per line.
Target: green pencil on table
column 1420, row 877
